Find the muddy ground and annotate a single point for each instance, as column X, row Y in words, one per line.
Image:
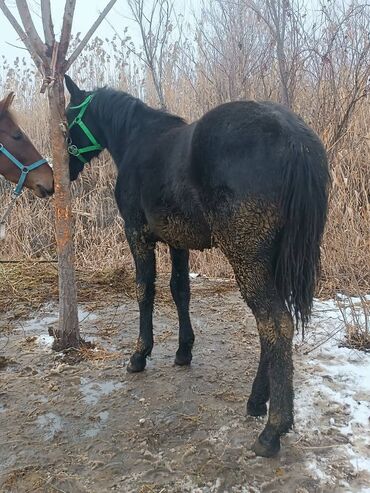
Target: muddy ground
column 89, row 426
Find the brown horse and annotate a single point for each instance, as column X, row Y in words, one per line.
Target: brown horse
column 20, row 162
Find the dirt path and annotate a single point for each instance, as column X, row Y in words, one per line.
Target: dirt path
column 92, row 427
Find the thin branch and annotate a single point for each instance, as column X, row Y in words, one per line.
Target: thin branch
column 128, row 47
column 47, row 23
column 23, row 36
column 29, row 27
column 88, row 35
column 65, row 36
column 15, row 46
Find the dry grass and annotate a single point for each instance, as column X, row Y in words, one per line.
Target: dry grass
column 100, row 239
column 25, row 286
column 355, row 313
column 99, row 233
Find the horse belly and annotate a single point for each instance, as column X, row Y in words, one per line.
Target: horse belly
column 181, row 232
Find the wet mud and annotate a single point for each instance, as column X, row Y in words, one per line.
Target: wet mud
column 86, row 425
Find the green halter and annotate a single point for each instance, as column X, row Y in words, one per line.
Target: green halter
column 95, row 146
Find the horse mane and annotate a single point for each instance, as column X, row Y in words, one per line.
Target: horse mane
column 126, row 111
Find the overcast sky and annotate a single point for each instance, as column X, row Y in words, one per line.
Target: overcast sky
column 85, row 14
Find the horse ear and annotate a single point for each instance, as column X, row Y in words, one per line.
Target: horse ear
column 6, row 103
column 76, row 93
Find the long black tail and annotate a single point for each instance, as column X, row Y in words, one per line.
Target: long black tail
column 304, row 204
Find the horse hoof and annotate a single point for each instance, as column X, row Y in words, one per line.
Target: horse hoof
column 256, row 409
column 183, row 358
column 264, row 448
column 137, row 363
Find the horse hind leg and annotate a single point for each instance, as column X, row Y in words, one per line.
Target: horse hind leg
column 256, row 405
column 248, row 239
column 274, row 378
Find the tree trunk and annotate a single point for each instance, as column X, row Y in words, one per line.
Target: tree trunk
column 50, row 59
column 67, row 335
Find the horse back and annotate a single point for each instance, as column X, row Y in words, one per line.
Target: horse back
column 240, row 150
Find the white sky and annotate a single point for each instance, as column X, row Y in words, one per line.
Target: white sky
column 85, row 14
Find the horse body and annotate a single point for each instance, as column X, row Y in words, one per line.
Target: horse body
column 169, row 201
column 153, row 189
column 249, row 177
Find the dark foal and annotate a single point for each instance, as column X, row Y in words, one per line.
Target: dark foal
column 20, row 162
column 248, row 177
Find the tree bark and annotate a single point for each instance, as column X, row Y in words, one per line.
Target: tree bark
column 67, row 334
column 47, row 24
column 29, row 27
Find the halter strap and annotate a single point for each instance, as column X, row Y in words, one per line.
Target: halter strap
column 95, row 146
column 25, row 169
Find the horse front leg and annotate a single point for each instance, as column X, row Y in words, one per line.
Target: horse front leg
column 180, row 289
column 144, row 256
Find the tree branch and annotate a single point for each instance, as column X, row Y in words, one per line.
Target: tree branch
column 88, row 35
column 65, row 36
column 47, row 23
column 29, row 27
column 23, row 36
column 15, row 46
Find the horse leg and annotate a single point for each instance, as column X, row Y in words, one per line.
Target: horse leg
column 256, row 405
column 275, row 327
column 144, row 256
column 180, row 289
column 248, row 238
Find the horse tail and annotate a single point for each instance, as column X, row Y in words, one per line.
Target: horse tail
column 304, row 205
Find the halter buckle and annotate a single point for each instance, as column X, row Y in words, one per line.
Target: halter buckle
column 72, row 149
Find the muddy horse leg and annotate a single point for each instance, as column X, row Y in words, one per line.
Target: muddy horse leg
column 275, row 327
column 256, row 405
column 144, row 256
column 180, row 289
column 248, row 238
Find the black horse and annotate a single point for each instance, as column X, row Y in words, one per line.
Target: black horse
column 248, row 177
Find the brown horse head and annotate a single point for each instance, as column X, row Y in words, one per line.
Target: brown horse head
column 16, row 143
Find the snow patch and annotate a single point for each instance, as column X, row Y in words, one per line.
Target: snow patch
column 39, row 325
column 92, row 391
column 336, row 383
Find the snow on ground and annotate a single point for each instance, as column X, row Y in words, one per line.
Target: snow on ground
column 47, row 317
column 335, row 380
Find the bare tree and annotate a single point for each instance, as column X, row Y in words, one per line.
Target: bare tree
column 282, row 17
column 155, row 26
column 232, row 48
column 50, row 57
column 345, row 51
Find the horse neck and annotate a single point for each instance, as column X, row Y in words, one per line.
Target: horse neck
column 125, row 121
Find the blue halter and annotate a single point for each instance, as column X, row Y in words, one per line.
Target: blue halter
column 24, row 169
